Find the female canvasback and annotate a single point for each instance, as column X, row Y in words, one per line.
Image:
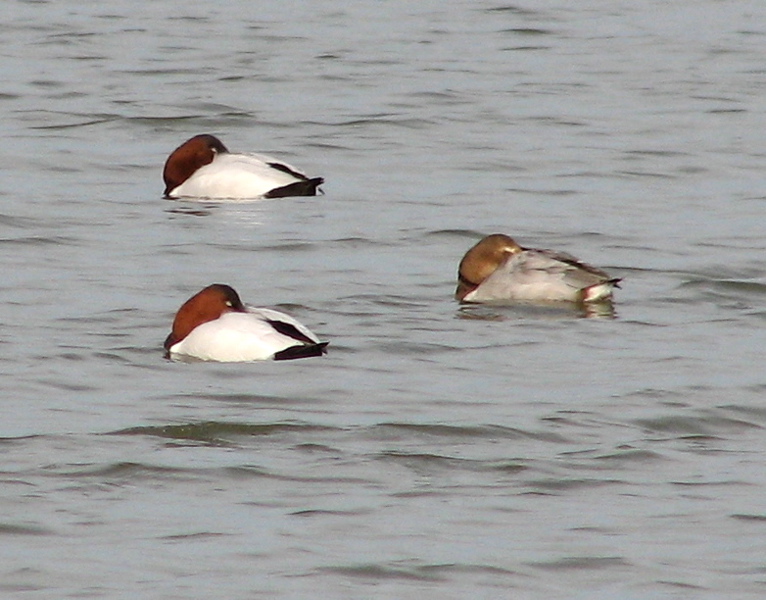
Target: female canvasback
column 215, row 325
column 202, row 167
column 498, row 269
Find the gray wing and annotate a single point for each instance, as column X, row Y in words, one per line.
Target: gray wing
column 540, row 274
column 575, row 272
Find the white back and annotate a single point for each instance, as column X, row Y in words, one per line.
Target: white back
column 235, row 176
column 235, row 337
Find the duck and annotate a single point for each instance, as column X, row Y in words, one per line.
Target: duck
column 202, row 167
column 214, row 325
column 498, row 269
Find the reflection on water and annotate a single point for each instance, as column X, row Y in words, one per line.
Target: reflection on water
column 501, row 311
column 191, row 211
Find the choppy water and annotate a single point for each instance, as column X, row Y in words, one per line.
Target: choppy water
column 436, row 452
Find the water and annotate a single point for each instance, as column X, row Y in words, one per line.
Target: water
column 437, row 451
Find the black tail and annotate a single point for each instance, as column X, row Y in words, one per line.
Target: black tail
column 302, row 351
column 304, row 187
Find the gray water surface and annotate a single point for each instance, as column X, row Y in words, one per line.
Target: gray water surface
column 437, row 451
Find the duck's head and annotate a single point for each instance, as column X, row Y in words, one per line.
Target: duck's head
column 204, row 306
column 482, row 260
column 194, row 153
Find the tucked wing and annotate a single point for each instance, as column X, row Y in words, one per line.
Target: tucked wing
column 286, row 325
column 535, row 275
column 306, row 344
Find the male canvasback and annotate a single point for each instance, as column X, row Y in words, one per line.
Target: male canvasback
column 215, row 325
column 498, row 269
column 202, row 167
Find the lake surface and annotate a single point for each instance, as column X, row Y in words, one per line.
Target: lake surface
column 436, row 451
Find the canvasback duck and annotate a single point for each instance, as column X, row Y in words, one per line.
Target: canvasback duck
column 215, row 325
column 498, row 269
column 202, row 167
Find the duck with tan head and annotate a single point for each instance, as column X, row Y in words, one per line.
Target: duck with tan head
column 497, row 269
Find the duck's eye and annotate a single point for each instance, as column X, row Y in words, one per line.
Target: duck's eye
column 229, row 304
